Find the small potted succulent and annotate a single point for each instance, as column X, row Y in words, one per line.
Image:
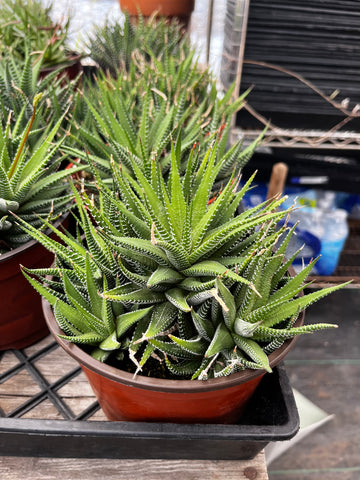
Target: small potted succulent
column 33, row 188
column 174, row 306
column 156, row 91
column 114, row 46
column 27, row 24
column 20, row 82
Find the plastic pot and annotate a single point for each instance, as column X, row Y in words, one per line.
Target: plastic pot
column 125, row 397
column 21, row 321
column 71, row 69
column 181, row 9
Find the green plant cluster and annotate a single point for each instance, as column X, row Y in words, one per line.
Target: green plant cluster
column 161, row 266
column 31, row 184
column 163, row 273
column 27, row 24
column 33, row 122
column 182, row 98
column 145, row 121
column 118, row 47
column 161, row 94
column 21, row 82
column 33, row 119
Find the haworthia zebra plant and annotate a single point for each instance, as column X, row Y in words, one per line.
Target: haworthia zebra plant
column 20, row 83
column 162, row 273
column 31, row 184
column 150, row 54
column 161, row 92
column 114, row 46
column 28, row 23
column 142, row 122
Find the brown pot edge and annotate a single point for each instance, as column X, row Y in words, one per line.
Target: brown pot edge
column 28, row 245
column 131, row 7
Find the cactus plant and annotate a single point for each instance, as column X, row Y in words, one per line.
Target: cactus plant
column 162, row 274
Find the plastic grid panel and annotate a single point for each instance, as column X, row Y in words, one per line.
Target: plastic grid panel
column 42, row 389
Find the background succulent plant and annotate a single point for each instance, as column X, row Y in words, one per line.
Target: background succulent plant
column 156, row 92
column 31, row 184
column 114, row 46
column 163, row 273
column 27, row 24
column 141, row 118
column 20, row 82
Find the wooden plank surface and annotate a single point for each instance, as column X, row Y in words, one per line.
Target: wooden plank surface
column 16, row 468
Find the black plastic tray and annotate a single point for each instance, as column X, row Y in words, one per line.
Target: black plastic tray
column 272, row 416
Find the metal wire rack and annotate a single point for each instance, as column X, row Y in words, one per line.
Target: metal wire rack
column 235, row 37
column 301, row 139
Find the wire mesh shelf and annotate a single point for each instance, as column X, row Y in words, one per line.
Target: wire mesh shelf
column 241, row 55
column 301, row 139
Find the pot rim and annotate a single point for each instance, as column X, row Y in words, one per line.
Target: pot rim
column 158, row 384
column 26, row 246
column 184, row 8
column 72, row 59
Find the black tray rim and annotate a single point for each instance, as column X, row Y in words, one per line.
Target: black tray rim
column 22, row 437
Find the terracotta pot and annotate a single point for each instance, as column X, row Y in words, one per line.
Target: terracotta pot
column 69, row 70
column 21, row 320
column 125, row 397
column 181, row 9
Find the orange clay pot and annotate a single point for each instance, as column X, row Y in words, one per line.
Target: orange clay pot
column 69, row 70
column 181, row 9
column 22, row 321
column 125, row 397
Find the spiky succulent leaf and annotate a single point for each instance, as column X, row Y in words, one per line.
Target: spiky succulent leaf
column 162, row 318
column 128, row 319
column 222, row 340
